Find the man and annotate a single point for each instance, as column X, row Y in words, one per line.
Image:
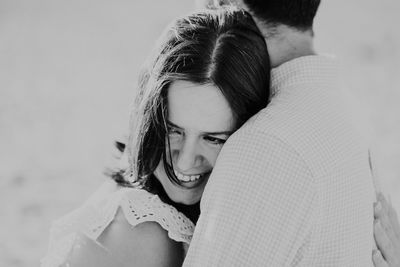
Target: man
column 387, row 234
column 292, row 187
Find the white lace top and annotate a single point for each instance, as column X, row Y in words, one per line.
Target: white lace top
column 100, row 210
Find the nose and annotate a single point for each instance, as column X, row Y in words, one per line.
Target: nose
column 187, row 156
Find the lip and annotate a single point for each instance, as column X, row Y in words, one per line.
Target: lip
column 194, row 184
column 190, row 184
column 188, row 174
column 192, row 174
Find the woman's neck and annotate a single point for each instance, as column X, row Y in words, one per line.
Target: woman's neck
column 190, row 211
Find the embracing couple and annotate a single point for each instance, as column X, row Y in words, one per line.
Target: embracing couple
column 240, row 153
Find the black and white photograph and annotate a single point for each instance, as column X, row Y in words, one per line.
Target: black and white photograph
column 199, row 133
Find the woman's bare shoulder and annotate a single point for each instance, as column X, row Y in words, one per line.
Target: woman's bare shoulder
column 146, row 244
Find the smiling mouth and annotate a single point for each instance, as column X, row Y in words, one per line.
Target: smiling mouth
column 187, row 178
column 188, row 181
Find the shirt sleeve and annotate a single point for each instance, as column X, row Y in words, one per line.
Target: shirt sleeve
column 258, row 208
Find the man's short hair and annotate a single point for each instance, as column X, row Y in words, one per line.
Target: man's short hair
column 298, row 14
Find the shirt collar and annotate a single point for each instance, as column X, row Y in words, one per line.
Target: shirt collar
column 315, row 69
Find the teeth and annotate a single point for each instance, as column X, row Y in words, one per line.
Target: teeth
column 186, row 178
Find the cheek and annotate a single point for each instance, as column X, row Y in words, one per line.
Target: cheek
column 171, row 151
column 212, row 156
column 174, row 146
column 159, row 171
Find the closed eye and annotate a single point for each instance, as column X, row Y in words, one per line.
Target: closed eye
column 174, row 131
column 214, row 140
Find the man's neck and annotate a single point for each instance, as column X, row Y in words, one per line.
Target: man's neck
column 287, row 43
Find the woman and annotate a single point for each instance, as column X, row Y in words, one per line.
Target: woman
column 209, row 75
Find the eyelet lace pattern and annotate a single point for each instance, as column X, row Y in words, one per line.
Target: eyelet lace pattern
column 92, row 219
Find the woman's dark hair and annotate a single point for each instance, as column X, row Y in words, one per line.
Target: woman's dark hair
column 221, row 47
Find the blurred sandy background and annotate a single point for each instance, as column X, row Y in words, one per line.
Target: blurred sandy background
column 67, row 75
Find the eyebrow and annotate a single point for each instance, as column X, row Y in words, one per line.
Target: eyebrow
column 169, row 123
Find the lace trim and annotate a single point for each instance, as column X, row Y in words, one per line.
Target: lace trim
column 137, row 205
column 144, row 206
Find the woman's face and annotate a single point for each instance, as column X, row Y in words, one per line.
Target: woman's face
column 199, row 122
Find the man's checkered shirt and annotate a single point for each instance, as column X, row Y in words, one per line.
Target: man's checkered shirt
column 292, row 187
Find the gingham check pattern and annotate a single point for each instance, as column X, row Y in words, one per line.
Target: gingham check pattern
column 292, row 187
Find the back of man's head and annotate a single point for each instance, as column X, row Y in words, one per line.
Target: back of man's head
column 297, row 14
